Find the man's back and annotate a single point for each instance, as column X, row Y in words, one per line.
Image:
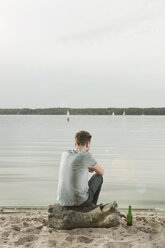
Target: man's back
column 73, row 177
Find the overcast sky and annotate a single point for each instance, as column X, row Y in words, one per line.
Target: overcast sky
column 82, row 53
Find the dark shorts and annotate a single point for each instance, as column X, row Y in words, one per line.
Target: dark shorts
column 95, row 184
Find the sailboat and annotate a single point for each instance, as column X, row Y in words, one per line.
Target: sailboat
column 113, row 113
column 67, row 115
column 124, row 113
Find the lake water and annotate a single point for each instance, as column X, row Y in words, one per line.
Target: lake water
column 131, row 149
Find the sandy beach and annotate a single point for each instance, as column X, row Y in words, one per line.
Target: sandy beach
column 30, row 229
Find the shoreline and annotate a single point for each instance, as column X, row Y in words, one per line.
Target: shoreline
column 14, row 209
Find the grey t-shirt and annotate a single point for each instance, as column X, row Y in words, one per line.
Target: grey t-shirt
column 73, row 177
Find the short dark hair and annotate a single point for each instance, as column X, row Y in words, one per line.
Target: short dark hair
column 82, row 137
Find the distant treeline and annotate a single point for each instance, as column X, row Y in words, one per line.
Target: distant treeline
column 84, row 111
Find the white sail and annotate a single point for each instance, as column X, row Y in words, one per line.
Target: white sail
column 124, row 113
column 68, row 113
column 113, row 113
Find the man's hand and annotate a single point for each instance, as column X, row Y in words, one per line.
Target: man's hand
column 91, row 170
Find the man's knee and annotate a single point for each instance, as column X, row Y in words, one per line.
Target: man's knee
column 95, row 180
column 100, row 178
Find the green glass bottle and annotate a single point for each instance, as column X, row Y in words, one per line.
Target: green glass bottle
column 129, row 217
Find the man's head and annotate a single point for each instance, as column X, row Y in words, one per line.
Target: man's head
column 82, row 140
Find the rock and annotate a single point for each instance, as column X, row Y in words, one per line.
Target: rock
column 24, row 240
column 16, row 228
column 84, row 239
column 62, row 217
column 39, row 227
column 6, row 233
column 69, row 238
column 26, row 224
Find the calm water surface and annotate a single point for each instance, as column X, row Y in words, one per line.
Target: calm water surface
column 130, row 148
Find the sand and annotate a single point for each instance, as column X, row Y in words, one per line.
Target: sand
column 29, row 229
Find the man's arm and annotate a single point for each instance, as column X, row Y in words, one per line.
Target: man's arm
column 98, row 169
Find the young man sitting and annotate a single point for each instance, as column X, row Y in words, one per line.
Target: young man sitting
column 73, row 186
